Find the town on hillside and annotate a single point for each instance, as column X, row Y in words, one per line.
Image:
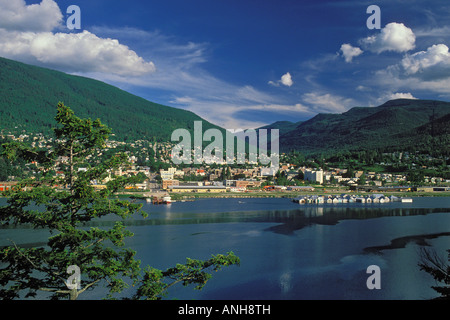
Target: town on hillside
column 151, row 161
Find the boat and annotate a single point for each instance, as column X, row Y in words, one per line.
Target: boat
column 407, row 200
column 156, row 200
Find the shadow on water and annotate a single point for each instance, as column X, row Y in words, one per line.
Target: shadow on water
column 331, row 216
column 288, row 221
column 401, row 242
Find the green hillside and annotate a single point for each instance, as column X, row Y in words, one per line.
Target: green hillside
column 282, row 126
column 397, row 124
column 29, row 96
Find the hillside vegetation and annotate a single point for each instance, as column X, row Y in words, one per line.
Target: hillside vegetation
column 397, row 124
column 29, row 96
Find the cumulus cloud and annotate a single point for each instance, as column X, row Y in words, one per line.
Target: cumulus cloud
column 16, row 15
column 349, row 52
column 286, row 80
column 26, row 34
column 427, row 70
column 393, row 37
column 401, row 95
column 393, row 96
column 434, row 63
column 73, row 52
column 423, row 70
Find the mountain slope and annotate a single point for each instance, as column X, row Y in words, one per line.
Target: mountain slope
column 282, row 126
column 395, row 123
column 29, row 96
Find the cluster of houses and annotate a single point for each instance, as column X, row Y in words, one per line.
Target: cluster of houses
column 172, row 178
column 216, row 178
column 213, row 180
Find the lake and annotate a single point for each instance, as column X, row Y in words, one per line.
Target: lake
column 289, row 251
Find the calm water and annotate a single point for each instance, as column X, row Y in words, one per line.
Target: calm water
column 287, row 250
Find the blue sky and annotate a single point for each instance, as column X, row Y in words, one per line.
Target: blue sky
column 242, row 64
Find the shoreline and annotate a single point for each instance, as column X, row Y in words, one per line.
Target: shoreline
column 274, row 194
column 271, row 194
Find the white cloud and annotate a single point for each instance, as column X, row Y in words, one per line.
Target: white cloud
column 16, row 15
column 401, row 95
column 180, row 75
column 286, row 80
column 362, row 88
column 327, row 103
column 393, row 96
column 436, row 32
column 349, row 52
column 230, row 113
column 248, row 93
column 393, row 37
column 432, row 64
column 26, row 35
column 73, row 52
column 422, row 71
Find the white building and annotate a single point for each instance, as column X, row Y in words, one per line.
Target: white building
column 268, row 172
column 312, row 175
column 170, row 173
column 166, row 175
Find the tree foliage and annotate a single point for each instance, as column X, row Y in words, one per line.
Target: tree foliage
column 63, row 205
column 433, row 264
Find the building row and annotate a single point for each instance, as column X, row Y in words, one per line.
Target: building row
column 335, row 199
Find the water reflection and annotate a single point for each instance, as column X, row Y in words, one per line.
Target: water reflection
column 288, row 221
column 287, row 251
column 287, row 217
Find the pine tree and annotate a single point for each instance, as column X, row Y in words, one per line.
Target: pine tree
column 433, row 264
column 63, row 205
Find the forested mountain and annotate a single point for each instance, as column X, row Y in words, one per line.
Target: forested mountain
column 29, row 96
column 397, row 124
column 282, row 126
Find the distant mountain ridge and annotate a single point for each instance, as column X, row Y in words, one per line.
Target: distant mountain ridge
column 396, row 123
column 29, row 96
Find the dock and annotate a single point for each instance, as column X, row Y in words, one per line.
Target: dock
column 344, row 198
